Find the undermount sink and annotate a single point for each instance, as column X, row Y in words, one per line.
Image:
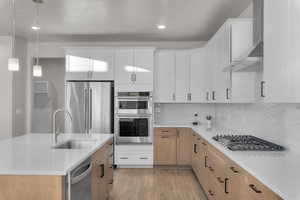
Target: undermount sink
column 76, row 144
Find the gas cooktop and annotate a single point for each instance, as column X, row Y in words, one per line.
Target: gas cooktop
column 246, row 143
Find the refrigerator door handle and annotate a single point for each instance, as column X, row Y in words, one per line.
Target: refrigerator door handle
column 91, row 109
column 85, row 109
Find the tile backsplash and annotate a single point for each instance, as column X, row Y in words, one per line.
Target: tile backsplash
column 279, row 123
column 181, row 114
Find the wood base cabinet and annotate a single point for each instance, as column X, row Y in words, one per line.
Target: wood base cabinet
column 102, row 172
column 221, row 178
column 172, row 146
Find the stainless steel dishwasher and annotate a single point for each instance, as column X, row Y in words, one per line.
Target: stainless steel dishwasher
column 78, row 182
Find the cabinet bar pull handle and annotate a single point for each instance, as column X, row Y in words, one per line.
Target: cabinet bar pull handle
column 211, row 193
column 165, row 131
column 262, row 85
column 234, row 170
column 205, row 161
column 204, row 144
column 173, row 96
column 211, row 169
column 124, row 158
column 102, row 170
column 227, row 93
column 164, row 137
column 207, row 96
column 213, row 95
column 226, row 185
column 144, row 158
column 195, row 148
column 255, row 189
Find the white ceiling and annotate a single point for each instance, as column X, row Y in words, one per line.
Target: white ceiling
column 118, row 20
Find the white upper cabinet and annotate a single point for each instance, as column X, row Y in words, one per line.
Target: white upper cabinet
column 164, row 77
column 102, row 64
column 124, row 66
column 87, row 64
column 144, row 64
column 182, row 72
column 134, row 67
column 281, row 50
column 200, row 76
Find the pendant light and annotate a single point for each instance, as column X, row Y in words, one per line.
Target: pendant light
column 37, row 68
column 13, row 62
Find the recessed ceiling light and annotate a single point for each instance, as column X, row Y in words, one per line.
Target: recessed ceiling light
column 161, row 26
column 35, row 28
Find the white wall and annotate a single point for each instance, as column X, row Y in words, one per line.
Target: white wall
column 54, row 72
column 5, row 89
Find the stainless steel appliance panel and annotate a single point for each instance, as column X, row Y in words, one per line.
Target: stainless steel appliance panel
column 100, row 113
column 77, row 105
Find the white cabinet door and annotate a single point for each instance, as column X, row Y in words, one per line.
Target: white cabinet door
column 164, row 78
column 222, row 81
column 143, row 62
column 102, row 62
column 277, row 45
column 124, row 66
column 78, row 65
column 200, row 75
column 182, row 66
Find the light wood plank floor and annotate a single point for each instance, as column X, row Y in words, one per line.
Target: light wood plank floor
column 156, row 184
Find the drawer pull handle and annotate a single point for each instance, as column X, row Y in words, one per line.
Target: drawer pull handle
column 255, row 189
column 195, row 148
column 226, row 185
column 165, row 131
column 198, row 138
column 211, row 193
column 124, row 158
column 234, row 170
column 220, row 180
column 144, row 158
column 205, row 161
column 211, row 169
column 164, row 137
column 204, row 144
column 102, row 170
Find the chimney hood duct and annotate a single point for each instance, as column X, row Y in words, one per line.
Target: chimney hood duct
column 253, row 58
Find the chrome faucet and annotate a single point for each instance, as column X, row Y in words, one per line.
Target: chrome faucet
column 56, row 133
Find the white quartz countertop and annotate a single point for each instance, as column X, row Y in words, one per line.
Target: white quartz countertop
column 277, row 170
column 32, row 154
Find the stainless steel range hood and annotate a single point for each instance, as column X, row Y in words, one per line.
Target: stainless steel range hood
column 254, row 56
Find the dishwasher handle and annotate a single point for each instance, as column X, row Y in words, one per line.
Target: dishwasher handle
column 81, row 176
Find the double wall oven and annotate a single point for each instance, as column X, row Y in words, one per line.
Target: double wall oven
column 134, row 118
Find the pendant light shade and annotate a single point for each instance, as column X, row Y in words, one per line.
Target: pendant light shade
column 37, row 71
column 13, row 64
column 37, row 68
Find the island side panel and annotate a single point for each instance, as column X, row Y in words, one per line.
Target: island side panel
column 15, row 187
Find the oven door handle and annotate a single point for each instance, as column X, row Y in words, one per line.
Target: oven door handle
column 134, row 116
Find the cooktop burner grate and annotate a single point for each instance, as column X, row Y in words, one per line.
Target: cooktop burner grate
column 247, row 143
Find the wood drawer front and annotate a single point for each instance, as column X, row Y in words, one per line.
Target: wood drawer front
column 134, row 159
column 213, row 190
column 257, row 191
column 217, row 164
column 105, row 151
column 165, row 132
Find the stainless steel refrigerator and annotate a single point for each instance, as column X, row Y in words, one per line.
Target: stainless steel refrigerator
column 91, row 106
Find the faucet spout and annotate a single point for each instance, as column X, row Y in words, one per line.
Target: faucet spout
column 54, row 130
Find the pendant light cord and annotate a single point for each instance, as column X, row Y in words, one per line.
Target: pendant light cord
column 37, row 34
column 13, row 26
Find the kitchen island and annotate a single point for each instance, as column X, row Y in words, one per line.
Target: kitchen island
column 31, row 168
